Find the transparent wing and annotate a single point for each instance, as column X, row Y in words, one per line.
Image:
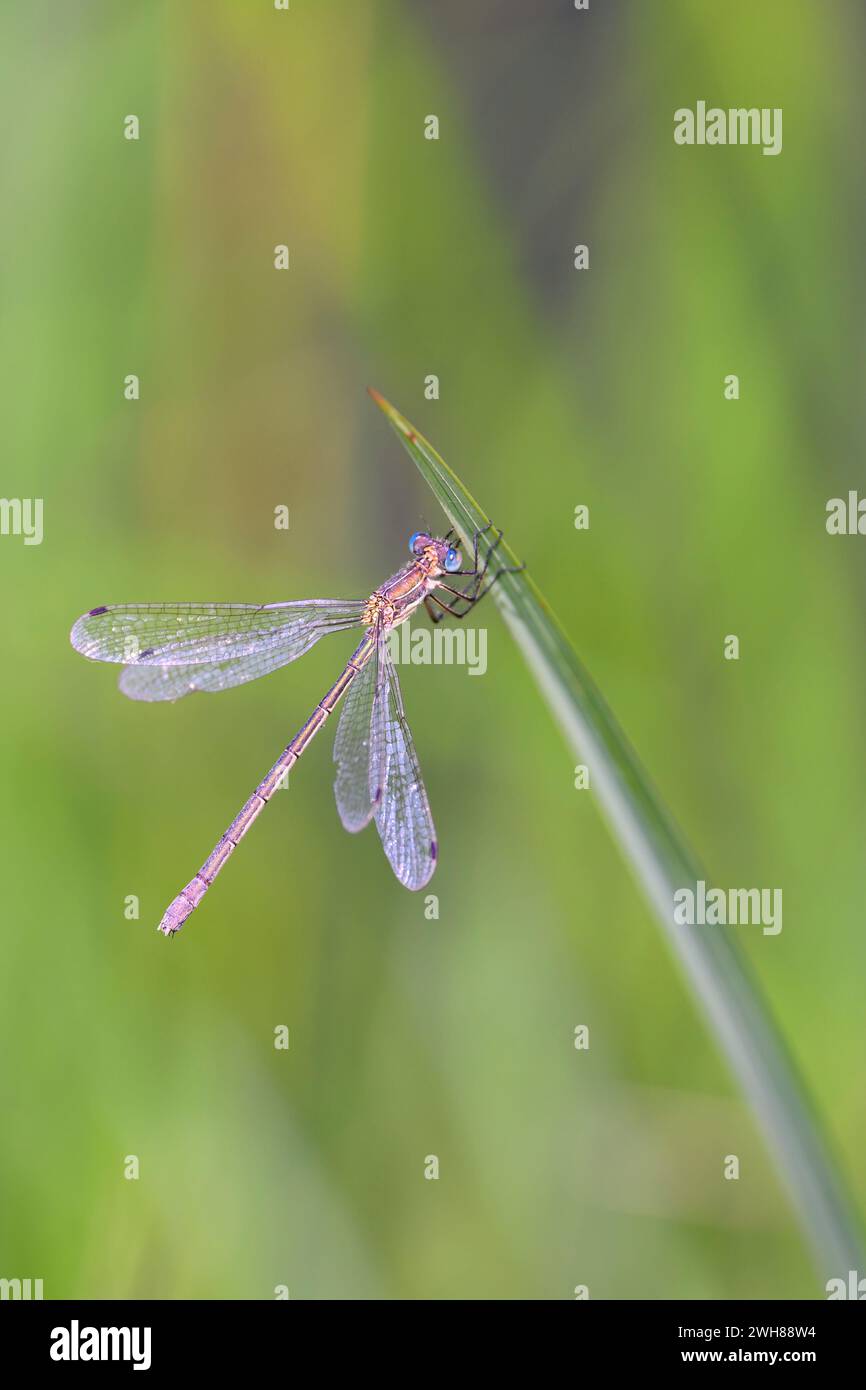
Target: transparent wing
column 183, row 634
column 142, row 681
column 403, row 816
column 173, row 648
column 359, row 749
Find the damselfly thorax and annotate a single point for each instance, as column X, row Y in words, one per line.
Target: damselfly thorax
column 169, row 650
column 405, row 591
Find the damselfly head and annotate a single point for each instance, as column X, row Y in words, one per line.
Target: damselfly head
column 439, row 552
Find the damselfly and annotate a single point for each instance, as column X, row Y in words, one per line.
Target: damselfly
column 171, row 649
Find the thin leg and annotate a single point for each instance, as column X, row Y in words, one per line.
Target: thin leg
column 444, row 607
column 475, row 573
column 476, row 538
column 458, row 593
column 435, row 617
column 477, row 590
column 470, row 595
column 503, row 569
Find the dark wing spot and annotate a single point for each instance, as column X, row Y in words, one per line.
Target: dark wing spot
column 378, row 797
column 149, row 651
column 434, row 850
column 95, row 612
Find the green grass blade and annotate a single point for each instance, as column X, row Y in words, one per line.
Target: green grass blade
column 713, row 963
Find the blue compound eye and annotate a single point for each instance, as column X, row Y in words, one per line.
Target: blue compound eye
column 452, row 559
column 414, row 538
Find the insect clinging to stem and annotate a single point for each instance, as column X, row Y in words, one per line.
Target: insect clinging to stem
column 169, row 650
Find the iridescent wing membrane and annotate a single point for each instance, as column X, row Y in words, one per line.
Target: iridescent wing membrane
column 360, row 750
column 171, row 649
column 378, row 772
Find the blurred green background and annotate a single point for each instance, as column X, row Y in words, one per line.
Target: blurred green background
column 412, row 1037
